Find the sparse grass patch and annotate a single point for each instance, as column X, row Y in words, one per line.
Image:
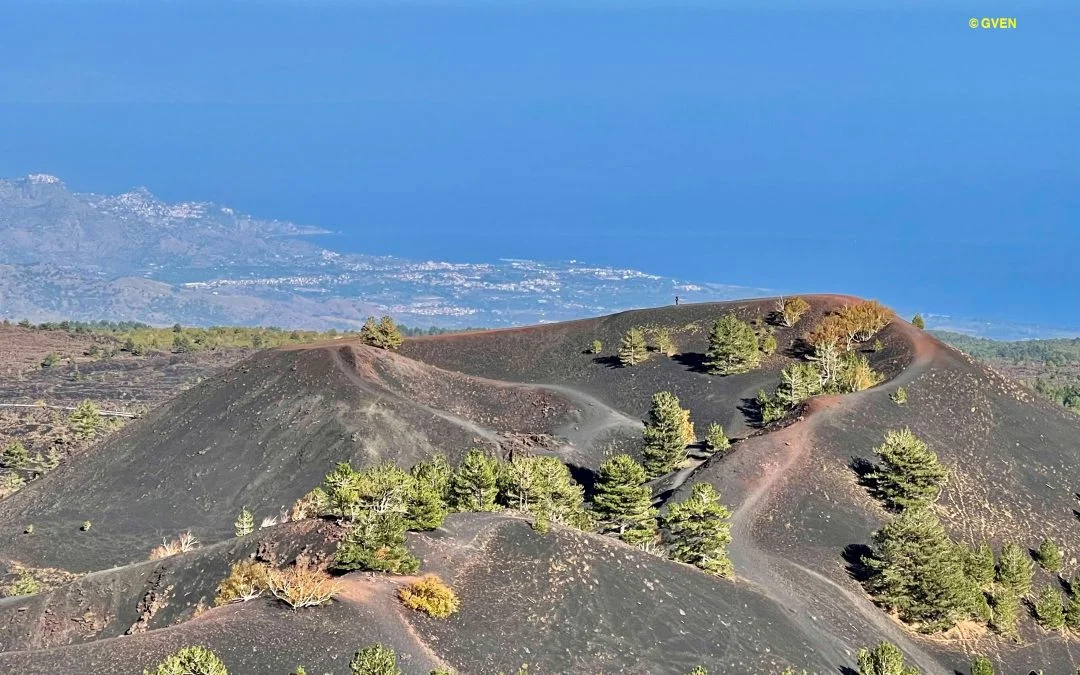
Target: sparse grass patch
column 24, row 584
column 431, row 596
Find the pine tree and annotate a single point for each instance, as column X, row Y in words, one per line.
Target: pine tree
column 375, row 660
column 519, row 483
column 624, row 502
column 52, row 459
column 1015, row 569
column 715, row 439
column 1048, row 609
column 85, row 420
column 918, row 571
column 980, row 665
column 245, row 523
column 561, row 499
column 768, row 344
column 665, row 344
column 979, row 606
column 543, row 486
column 428, row 494
column 632, row 349
column 854, row 374
column 700, row 532
column 666, row 434
column 979, row 565
column 769, row 409
column 1072, row 610
column 910, row 474
column 884, row 658
column 383, row 488
column 14, row 456
column 342, row 489
column 798, row 382
column 733, row 347
column 376, row 542
column 1049, row 556
column 1006, row 611
column 918, row 322
column 473, row 487
column 383, row 334
column 391, row 334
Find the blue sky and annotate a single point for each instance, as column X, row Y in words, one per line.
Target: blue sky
column 893, row 153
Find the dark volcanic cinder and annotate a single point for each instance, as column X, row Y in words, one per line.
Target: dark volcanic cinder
column 264, row 432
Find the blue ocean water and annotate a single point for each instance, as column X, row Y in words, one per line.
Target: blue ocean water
column 892, row 153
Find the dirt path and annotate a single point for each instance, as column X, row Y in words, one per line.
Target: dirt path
column 487, row 434
column 598, row 419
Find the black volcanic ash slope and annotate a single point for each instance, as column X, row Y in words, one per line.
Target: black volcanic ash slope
column 259, row 435
column 266, row 431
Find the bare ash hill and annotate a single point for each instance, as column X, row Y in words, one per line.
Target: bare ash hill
column 263, row 433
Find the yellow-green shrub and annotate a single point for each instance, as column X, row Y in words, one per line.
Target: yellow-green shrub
column 431, row 596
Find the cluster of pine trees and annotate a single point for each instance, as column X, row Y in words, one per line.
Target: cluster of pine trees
column 734, row 347
column 18, row 465
column 933, row 582
column 737, row 346
column 140, row 338
column 640, row 342
column 833, row 365
column 383, row 333
column 669, row 431
column 380, row 504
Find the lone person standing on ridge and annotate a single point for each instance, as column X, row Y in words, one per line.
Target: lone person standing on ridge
column 676, row 301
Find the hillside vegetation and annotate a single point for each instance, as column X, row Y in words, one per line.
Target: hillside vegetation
column 797, row 483
column 1050, row 367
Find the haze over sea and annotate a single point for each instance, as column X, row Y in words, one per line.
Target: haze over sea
column 896, row 154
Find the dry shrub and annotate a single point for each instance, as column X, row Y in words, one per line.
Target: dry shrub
column 302, row 585
column 851, row 324
column 431, row 596
column 310, row 505
column 790, row 310
column 246, row 581
column 182, row 544
column 865, row 319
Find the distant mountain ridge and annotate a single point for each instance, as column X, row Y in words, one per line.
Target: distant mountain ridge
column 84, row 256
